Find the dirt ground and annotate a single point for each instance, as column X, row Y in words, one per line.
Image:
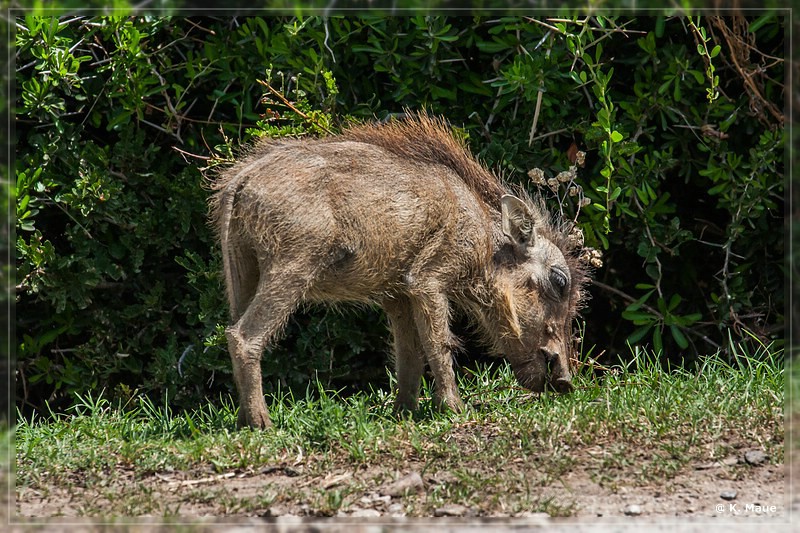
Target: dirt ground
column 693, row 497
column 743, row 491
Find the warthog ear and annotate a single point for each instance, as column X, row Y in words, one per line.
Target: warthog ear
column 518, row 221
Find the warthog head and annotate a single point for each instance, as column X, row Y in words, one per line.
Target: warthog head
column 540, row 280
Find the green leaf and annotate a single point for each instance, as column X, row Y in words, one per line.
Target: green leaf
column 616, row 136
column 679, row 337
column 759, row 22
column 658, row 345
column 638, row 334
column 698, row 76
column 690, row 319
column 638, row 317
column 638, row 303
column 122, row 117
column 715, row 51
column 23, row 204
column 643, row 196
column 659, row 31
column 652, row 271
column 602, row 119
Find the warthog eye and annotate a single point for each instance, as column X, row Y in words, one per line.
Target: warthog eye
column 559, row 281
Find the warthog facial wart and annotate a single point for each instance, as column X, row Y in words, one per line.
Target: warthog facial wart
column 403, row 216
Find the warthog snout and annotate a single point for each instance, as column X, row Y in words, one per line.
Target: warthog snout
column 557, row 371
column 562, row 385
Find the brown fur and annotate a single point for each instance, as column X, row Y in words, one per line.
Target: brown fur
column 429, row 139
column 400, row 215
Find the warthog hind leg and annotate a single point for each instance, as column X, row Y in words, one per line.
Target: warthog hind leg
column 278, row 295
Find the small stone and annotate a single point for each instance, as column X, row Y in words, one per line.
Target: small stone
column 365, row 513
column 530, row 514
column 451, row 509
column 632, row 510
column 442, row 477
column 276, row 510
column 396, row 508
column 409, row 483
column 728, row 494
column 755, row 457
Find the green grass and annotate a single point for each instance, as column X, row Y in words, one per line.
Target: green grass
column 622, row 428
column 6, row 459
column 793, row 387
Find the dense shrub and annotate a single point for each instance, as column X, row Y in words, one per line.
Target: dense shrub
column 681, row 187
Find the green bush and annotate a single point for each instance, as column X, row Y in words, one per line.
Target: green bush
column 679, row 118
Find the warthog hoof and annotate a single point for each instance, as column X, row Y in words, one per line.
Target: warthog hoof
column 405, row 405
column 259, row 419
column 452, row 403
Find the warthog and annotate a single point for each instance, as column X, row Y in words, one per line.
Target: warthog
column 403, row 216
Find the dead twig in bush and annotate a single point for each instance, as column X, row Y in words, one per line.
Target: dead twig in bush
column 288, row 104
column 740, row 42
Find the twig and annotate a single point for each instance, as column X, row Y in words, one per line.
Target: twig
column 550, row 133
column 199, row 27
column 183, row 152
column 624, row 296
column 747, row 77
column 535, row 116
column 548, row 26
column 494, row 108
column 288, row 104
column 591, row 363
column 327, row 37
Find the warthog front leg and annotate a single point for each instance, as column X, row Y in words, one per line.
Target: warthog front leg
column 432, row 318
column 409, row 360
